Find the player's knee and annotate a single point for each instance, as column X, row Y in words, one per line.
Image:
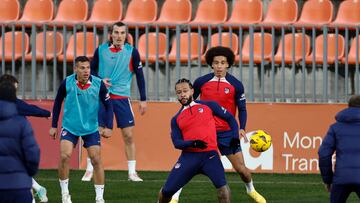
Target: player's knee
column 95, row 160
column 128, row 139
column 223, row 193
column 65, row 157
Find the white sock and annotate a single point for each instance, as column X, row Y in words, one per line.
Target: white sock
column 35, row 185
column 89, row 166
column 177, row 195
column 64, row 185
column 249, row 186
column 132, row 166
column 99, row 190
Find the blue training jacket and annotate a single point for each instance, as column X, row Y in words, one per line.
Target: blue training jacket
column 344, row 138
column 19, row 152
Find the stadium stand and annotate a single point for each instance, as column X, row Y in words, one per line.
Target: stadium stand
column 281, row 12
column 18, row 50
column 348, row 14
column 71, row 12
column 195, row 48
column 151, row 46
column 289, row 49
column 175, row 12
column 37, row 12
column 9, row 10
column 79, row 48
column 141, row 12
column 316, row 13
column 352, row 53
column 50, row 39
column 246, row 12
column 331, row 50
column 105, row 12
column 259, row 48
column 211, row 12
column 225, row 39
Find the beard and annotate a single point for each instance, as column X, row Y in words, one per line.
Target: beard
column 187, row 103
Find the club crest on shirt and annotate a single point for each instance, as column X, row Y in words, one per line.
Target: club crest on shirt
column 177, row 165
column 226, row 90
column 201, row 110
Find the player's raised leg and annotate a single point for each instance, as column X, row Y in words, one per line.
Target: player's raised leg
column 237, row 161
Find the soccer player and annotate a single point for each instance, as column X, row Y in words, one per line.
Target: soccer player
column 115, row 62
column 342, row 138
column 26, row 109
column 193, row 131
column 82, row 93
column 228, row 92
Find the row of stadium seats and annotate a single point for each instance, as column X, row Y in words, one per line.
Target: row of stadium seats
column 211, row 12
column 86, row 42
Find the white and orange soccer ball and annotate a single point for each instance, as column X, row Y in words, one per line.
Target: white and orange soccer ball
column 260, row 141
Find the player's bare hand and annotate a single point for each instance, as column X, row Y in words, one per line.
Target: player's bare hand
column 142, row 107
column 53, row 133
column 107, row 82
column 49, row 116
column 242, row 133
column 107, row 133
column 101, row 130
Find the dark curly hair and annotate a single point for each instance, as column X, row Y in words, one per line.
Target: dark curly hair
column 184, row 80
column 220, row 51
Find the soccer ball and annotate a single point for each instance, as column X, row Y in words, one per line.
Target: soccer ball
column 260, row 141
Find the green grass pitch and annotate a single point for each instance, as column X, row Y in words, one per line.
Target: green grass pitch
column 276, row 188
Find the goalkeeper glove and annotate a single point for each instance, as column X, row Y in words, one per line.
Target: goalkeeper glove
column 234, row 144
column 199, row 144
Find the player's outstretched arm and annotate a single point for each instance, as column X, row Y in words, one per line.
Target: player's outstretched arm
column 26, row 109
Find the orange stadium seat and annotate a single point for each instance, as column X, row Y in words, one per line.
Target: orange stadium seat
column 81, row 40
column 71, row 12
column 281, row 12
column 257, row 48
column 49, row 55
column 316, row 13
column 210, row 12
column 105, row 12
column 37, row 11
column 289, row 49
column 195, row 38
column 141, row 12
column 331, row 49
column 246, row 12
column 352, row 53
column 175, row 12
column 227, row 40
column 9, row 10
column 152, row 46
column 348, row 14
column 18, row 50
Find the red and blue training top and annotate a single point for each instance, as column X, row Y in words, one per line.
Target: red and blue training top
column 228, row 92
column 196, row 122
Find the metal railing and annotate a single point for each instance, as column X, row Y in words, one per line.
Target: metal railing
column 265, row 78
